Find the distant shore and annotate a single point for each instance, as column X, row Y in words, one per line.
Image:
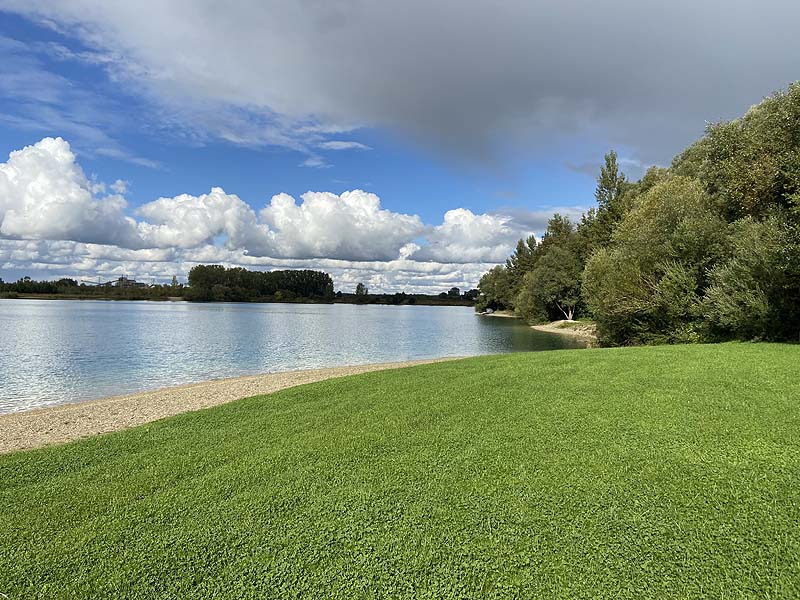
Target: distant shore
column 67, row 422
column 374, row 300
column 17, row 296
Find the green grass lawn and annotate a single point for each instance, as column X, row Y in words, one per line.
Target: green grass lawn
column 656, row 472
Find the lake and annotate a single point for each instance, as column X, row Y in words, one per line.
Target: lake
column 60, row 351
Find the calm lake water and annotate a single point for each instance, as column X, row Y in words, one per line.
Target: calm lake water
column 53, row 352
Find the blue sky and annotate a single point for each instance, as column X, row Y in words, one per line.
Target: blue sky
column 467, row 145
column 397, row 170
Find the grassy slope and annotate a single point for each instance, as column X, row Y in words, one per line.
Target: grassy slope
column 648, row 472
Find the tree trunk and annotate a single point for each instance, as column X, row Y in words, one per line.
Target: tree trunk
column 568, row 312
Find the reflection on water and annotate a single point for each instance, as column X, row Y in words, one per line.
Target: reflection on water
column 64, row 351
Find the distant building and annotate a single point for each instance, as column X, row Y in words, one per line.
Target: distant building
column 124, row 282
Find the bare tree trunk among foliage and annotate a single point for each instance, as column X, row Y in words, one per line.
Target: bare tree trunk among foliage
column 568, row 311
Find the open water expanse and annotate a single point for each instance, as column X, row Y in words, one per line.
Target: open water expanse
column 56, row 351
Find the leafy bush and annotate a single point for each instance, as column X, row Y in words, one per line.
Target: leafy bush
column 755, row 292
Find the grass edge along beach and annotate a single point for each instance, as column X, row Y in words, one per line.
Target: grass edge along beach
column 665, row 471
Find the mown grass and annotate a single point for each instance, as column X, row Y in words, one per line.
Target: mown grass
column 656, row 472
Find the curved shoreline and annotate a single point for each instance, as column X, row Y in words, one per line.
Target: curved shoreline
column 582, row 332
column 67, row 422
column 503, row 314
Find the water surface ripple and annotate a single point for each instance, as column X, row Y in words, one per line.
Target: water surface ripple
column 53, row 352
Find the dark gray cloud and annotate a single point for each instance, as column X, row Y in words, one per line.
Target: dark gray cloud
column 586, row 168
column 461, row 78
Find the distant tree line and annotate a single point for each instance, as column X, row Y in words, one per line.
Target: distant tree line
column 707, row 249
column 453, row 297
column 220, row 284
column 70, row 288
column 26, row 285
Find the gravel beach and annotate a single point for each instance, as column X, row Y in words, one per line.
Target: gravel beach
column 67, row 422
column 576, row 329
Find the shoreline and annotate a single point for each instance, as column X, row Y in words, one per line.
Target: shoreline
column 581, row 331
column 40, row 427
column 166, row 299
column 503, row 314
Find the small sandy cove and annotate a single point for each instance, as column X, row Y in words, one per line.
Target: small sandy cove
column 578, row 329
column 67, row 422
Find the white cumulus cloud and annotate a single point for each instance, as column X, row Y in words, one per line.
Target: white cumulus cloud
column 350, row 226
column 88, row 262
column 44, row 194
column 55, row 220
column 465, row 237
column 187, row 221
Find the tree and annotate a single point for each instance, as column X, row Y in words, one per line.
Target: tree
column 610, row 183
column 206, row 276
column 750, row 165
column 520, row 262
column 361, row 290
column 598, row 224
column 555, row 282
column 755, row 291
column 647, row 287
column 454, row 292
column 214, row 282
column 496, row 290
column 708, row 248
column 550, row 290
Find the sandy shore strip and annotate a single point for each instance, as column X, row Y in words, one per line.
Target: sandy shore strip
column 577, row 329
column 507, row 314
column 67, row 422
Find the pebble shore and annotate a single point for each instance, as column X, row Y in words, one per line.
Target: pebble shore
column 67, row 422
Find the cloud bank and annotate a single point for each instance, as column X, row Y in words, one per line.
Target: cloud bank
column 55, row 219
column 478, row 74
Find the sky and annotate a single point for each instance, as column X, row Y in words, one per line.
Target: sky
column 406, row 145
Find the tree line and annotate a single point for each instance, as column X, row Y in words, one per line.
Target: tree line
column 67, row 287
column 220, row 284
column 216, row 283
column 452, row 297
column 707, row 249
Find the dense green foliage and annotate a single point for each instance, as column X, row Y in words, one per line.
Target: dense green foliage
column 655, row 472
column 215, row 282
column 70, row 288
column 755, row 290
column 406, row 299
column 206, row 283
column 708, row 249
